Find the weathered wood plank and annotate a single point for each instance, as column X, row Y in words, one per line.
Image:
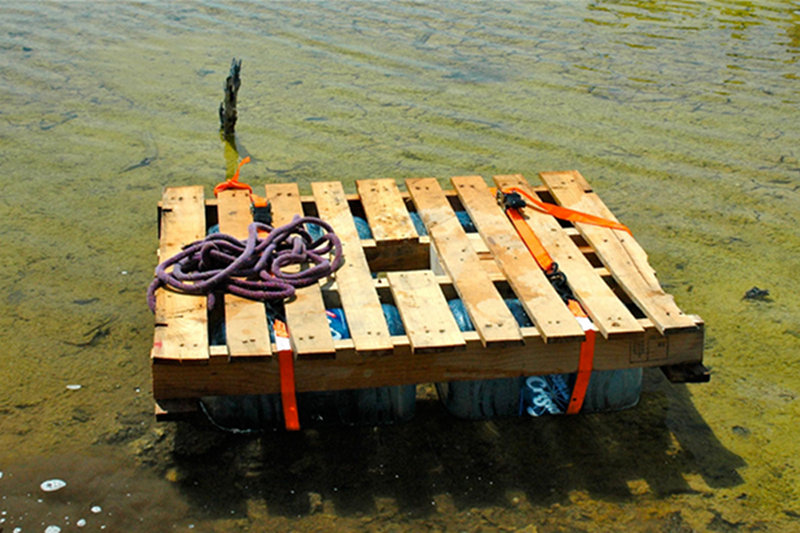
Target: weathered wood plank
column 551, row 317
column 607, row 312
column 427, row 319
column 619, row 252
column 361, row 305
column 305, row 314
column 181, row 332
column 386, row 212
column 489, row 314
column 246, row 330
column 473, row 362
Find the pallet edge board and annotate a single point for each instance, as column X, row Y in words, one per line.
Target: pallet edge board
column 182, row 334
column 472, row 362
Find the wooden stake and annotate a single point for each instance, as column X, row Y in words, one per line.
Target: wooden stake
column 227, row 108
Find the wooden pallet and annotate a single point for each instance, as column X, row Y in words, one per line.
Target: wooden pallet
column 640, row 324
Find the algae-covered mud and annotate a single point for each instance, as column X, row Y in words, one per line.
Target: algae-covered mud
column 683, row 116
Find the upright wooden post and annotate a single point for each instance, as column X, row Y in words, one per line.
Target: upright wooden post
column 227, row 108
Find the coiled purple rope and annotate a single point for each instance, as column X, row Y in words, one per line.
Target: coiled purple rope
column 254, row 268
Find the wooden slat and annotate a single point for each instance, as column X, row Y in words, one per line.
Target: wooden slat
column 246, row 330
column 427, row 319
column 607, row 312
column 386, row 212
column 305, row 313
column 361, row 305
column 551, row 317
column 473, row 362
column 489, row 314
column 618, row 251
column 181, row 332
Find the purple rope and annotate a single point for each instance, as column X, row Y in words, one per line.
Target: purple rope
column 253, row 268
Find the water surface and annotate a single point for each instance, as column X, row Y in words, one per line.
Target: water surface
column 682, row 115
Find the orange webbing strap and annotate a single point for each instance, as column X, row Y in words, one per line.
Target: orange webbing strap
column 585, row 359
column 258, row 201
column 564, row 213
column 234, row 182
column 530, row 239
column 286, row 367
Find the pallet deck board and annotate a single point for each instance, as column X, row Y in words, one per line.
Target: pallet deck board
column 305, row 314
column 362, row 308
column 619, row 252
column 424, row 311
column 246, row 333
column 421, row 273
column 489, row 314
column 386, row 212
column 607, row 312
column 181, row 333
column 541, row 302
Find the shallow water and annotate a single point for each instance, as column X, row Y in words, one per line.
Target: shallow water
column 682, row 116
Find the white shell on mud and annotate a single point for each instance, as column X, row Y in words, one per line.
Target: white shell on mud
column 52, row 529
column 52, row 485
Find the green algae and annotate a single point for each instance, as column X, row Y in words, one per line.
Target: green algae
column 682, row 116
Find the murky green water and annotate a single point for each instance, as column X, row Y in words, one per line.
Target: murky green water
column 683, row 116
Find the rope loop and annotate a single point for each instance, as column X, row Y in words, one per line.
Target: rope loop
column 255, row 268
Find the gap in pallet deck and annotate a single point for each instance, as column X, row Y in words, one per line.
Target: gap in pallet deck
column 212, row 215
column 331, row 298
column 310, row 209
column 356, row 208
column 216, row 322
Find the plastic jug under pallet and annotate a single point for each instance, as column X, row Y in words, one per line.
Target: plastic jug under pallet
column 369, row 406
column 608, row 390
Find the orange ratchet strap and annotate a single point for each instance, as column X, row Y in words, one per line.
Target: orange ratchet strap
column 564, row 213
column 286, row 368
column 585, row 359
column 530, row 239
column 233, row 182
column 546, row 263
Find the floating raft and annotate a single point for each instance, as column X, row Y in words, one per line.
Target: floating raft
column 639, row 324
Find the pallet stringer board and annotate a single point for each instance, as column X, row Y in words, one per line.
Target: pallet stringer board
column 474, row 361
